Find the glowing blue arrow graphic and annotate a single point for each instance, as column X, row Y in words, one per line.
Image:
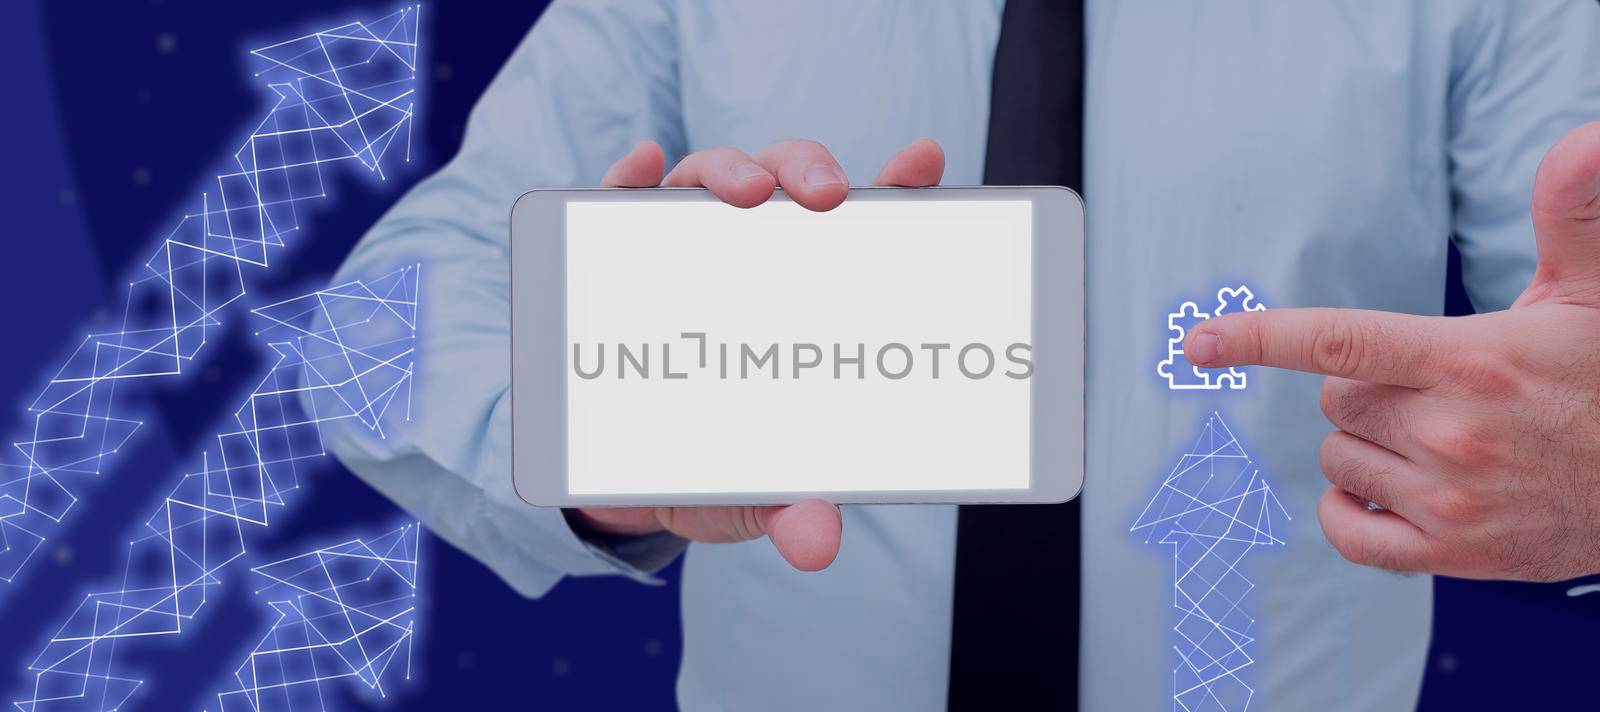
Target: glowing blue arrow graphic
column 340, row 97
column 1213, row 509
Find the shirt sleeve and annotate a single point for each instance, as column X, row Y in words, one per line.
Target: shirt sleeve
column 590, row 80
column 1527, row 73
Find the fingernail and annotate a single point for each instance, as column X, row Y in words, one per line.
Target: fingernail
column 1204, row 348
column 746, row 170
column 822, row 174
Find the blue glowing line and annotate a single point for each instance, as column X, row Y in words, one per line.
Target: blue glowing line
column 342, row 95
column 344, row 353
column 342, row 614
column 1213, row 509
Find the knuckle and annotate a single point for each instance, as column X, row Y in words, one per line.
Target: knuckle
column 1464, row 443
column 1455, row 506
column 1256, row 340
column 747, row 524
column 1484, row 372
column 1336, row 347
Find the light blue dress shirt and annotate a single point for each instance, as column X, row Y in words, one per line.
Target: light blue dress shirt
column 1324, row 153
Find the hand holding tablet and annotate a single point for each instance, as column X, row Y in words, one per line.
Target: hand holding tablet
column 893, row 348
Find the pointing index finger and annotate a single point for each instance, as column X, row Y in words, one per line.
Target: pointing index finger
column 1373, row 346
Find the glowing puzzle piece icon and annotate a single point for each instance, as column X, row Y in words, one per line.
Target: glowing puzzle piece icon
column 1176, row 369
column 1214, row 508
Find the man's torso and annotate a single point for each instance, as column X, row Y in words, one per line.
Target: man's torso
column 1279, row 147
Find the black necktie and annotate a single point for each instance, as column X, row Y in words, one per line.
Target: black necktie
column 1014, row 633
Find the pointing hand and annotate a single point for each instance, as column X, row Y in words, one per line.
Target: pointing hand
column 1478, row 436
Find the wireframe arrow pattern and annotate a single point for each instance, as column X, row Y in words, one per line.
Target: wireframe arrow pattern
column 1214, row 509
column 344, row 356
column 342, row 96
column 344, row 614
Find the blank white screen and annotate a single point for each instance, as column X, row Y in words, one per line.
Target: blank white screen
column 867, row 272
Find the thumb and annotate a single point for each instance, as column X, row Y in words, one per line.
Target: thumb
column 806, row 533
column 1566, row 219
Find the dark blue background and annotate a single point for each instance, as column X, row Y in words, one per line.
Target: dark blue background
column 115, row 113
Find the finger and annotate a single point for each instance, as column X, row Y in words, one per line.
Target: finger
column 618, row 520
column 807, row 534
column 1372, row 473
column 715, row 525
column 728, row 173
column 807, row 172
column 1566, row 212
column 1372, row 537
column 918, row 165
column 1378, row 413
column 1380, row 347
column 641, row 168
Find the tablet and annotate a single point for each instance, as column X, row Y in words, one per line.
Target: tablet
column 909, row 346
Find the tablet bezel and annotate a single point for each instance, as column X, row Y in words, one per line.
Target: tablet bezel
column 539, row 345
